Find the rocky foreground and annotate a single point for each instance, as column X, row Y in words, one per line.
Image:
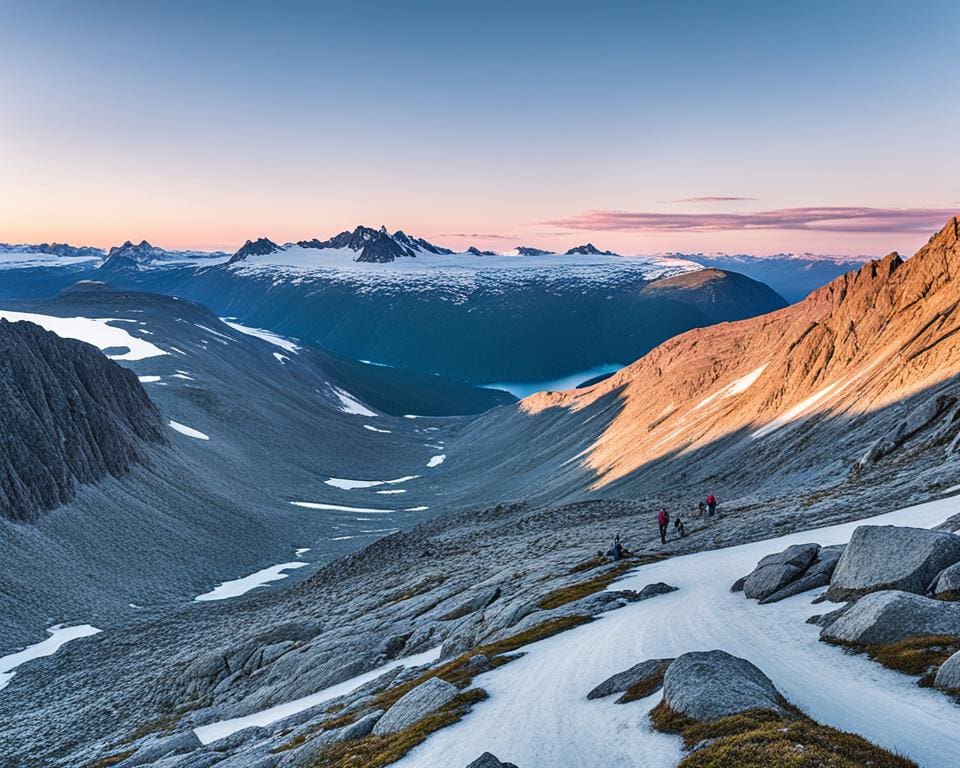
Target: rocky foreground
column 462, row 595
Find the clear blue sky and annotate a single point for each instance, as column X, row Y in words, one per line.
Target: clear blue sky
column 548, row 123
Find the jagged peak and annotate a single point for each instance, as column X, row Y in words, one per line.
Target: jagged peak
column 589, row 249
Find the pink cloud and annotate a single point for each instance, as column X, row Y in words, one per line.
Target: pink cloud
column 713, row 199
column 812, row 219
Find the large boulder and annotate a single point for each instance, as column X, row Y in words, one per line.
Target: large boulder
column 892, row 558
column 947, row 584
column 817, row 575
column 948, row 676
column 708, row 685
column 888, row 617
column 415, row 705
column 645, row 671
column 776, row 571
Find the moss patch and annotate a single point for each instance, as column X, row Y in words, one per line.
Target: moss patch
column 643, row 688
column 378, row 751
column 105, row 762
column 764, row 739
column 916, row 655
column 601, row 581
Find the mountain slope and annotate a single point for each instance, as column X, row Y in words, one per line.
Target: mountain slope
column 857, row 380
column 68, row 416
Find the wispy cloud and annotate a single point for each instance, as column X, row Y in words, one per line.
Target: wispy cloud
column 713, row 199
column 478, row 235
column 821, row 219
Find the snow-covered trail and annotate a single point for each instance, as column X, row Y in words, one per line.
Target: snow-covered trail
column 538, row 714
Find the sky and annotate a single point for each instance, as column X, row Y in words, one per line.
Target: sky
column 643, row 127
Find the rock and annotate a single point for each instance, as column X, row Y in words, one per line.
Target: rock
column 708, row 685
column 360, row 728
column 638, row 673
column 817, row 575
column 652, row 590
column 154, row 748
column 776, row 571
column 415, row 705
column 887, row 617
column 892, row 558
column 948, row 676
column 826, row 619
column 477, row 665
column 737, row 586
column 487, row 760
column 476, row 602
column 947, row 584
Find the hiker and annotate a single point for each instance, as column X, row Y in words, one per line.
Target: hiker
column 663, row 520
column 678, row 526
column 711, row 505
column 616, row 548
column 701, row 510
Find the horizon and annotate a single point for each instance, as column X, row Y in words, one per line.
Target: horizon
column 688, row 129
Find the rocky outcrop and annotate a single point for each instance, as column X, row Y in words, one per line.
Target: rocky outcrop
column 645, row 672
column 775, row 571
column 890, row 616
column 68, row 416
column 415, row 705
column 259, row 247
column 708, row 685
column 892, row 558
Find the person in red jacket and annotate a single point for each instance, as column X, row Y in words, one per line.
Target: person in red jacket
column 663, row 520
column 711, row 505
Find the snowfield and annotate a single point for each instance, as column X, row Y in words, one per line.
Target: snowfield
column 59, row 636
column 95, row 331
column 347, row 485
column 538, row 713
column 238, row 587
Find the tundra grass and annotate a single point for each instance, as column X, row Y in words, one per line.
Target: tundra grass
column 601, row 581
column 764, row 739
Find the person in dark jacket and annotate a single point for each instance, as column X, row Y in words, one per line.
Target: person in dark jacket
column 616, row 551
column 663, row 520
column 678, row 526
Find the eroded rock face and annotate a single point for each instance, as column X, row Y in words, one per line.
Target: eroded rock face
column 708, row 685
column 426, row 698
column 892, row 558
column 890, row 616
column 68, row 415
column 817, row 575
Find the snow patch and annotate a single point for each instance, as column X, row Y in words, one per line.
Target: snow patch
column 375, row 429
column 183, row 429
column 148, row 379
column 793, row 413
column 239, row 587
column 350, row 404
column 214, row 731
column 347, row 485
column 59, row 636
column 268, row 336
column 95, row 331
column 735, row 387
column 436, row 461
column 340, row 508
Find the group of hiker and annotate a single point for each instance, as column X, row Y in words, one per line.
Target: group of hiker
column 706, row 508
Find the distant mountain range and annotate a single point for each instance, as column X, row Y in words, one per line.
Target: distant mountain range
column 397, row 299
